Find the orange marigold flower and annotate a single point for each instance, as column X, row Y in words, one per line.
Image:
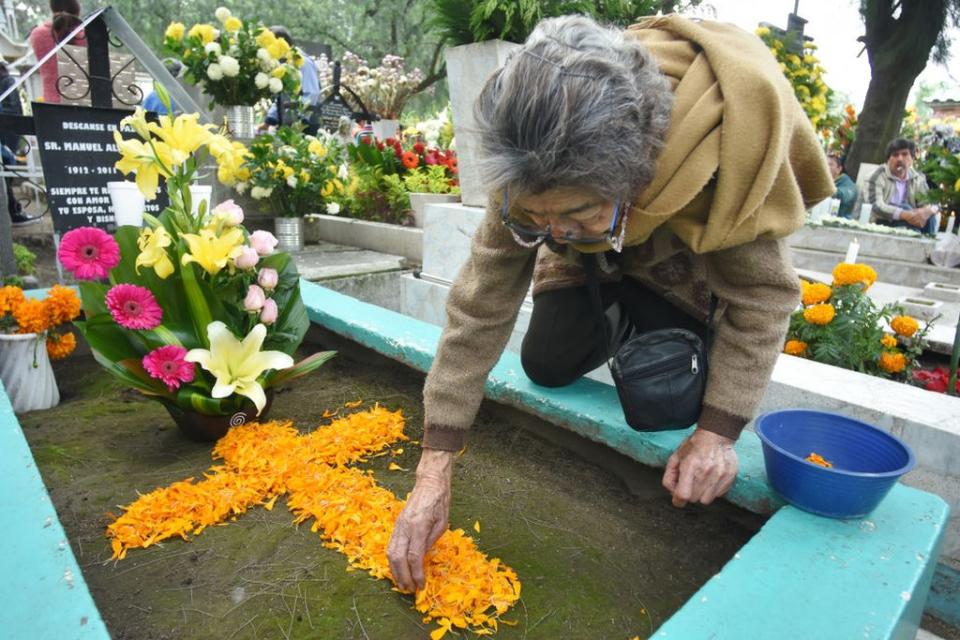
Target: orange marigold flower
column 888, row 341
column 410, row 160
column 819, row 314
column 861, row 274
column 818, row 459
column 892, row 361
column 60, row 345
column 816, row 293
column 63, row 304
column 904, row 325
column 795, row 347
column 10, row 297
column 31, row 316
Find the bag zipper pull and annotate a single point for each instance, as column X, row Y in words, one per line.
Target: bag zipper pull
column 694, row 365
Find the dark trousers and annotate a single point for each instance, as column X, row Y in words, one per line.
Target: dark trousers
column 564, row 340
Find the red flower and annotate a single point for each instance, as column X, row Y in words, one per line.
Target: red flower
column 397, row 151
column 431, row 158
column 366, row 140
column 379, row 146
column 390, row 142
column 934, row 380
column 453, row 164
column 410, row 160
column 418, row 147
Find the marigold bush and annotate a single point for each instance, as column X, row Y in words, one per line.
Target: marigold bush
column 849, row 331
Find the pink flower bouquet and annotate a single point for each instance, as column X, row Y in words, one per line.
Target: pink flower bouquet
column 192, row 310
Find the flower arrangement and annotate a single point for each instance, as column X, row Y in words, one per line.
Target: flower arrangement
column 838, row 138
column 430, row 179
column 849, row 223
column 45, row 318
column 237, row 62
column 192, row 310
column 295, row 173
column 804, row 72
column 839, row 324
column 433, row 132
column 942, row 167
column 384, row 90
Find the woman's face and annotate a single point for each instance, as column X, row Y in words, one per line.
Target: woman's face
column 571, row 213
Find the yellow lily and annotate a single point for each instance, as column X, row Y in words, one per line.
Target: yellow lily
column 210, row 251
column 184, row 133
column 237, row 365
column 153, row 244
column 139, row 157
column 138, row 122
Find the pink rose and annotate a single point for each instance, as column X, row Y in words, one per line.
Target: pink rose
column 255, row 299
column 247, row 259
column 268, row 315
column 268, row 279
column 230, row 212
column 263, row 241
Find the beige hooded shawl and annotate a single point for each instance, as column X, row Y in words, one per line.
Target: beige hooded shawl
column 734, row 118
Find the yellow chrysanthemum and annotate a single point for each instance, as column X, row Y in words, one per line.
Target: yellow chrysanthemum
column 816, row 293
column 63, row 304
column 892, row 361
column 32, row 316
column 316, row 148
column 175, row 31
column 61, row 345
column 233, row 24
column 904, row 325
column 265, row 38
column 795, row 347
column 888, row 341
column 861, row 274
column 279, row 48
column 206, row 32
column 820, row 314
column 10, row 297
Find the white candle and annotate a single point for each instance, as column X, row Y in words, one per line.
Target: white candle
column 950, row 222
column 852, row 250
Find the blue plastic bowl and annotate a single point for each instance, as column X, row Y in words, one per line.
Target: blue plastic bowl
column 867, row 461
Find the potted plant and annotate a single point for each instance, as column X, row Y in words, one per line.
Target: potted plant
column 434, row 181
column 292, row 174
column 239, row 63
column 31, row 332
column 192, row 310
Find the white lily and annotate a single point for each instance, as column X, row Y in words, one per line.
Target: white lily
column 237, row 365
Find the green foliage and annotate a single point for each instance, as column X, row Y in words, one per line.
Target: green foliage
column 429, row 179
column 26, row 260
column 377, row 196
column 942, row 168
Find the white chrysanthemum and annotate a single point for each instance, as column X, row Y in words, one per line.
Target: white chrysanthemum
column 242, row 187
column 333, row 208
column 259, row 193
column 261, row 80
column 215, row 72
column 214, row 48
column 263, row 55
column 230, row 66
column 276, row 85
column 292, row 182
column 343, row 172
column 222, row 14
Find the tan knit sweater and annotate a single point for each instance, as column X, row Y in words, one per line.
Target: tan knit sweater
column 739, row 166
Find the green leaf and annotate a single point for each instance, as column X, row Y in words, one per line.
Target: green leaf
column 131, row 372
column 305, row 366
column 197, row 303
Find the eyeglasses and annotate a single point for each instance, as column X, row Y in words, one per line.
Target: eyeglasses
column 530, row 234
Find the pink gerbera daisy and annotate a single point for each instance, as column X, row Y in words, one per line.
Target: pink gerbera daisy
column 167, row 364
column 89, row 253
column 134, row 307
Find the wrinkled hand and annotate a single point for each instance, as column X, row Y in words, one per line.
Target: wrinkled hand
column 423, row 519
column 917, row 217
column 702, row 468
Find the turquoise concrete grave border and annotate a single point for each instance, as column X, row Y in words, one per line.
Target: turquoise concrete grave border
column 43, row 593
column 800, row 577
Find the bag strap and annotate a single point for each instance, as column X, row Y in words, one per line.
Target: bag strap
column 593, row 284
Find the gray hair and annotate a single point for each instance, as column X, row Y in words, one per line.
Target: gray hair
column 578, row 105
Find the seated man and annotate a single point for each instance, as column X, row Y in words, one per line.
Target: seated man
column 894, row 188
column 846, row 188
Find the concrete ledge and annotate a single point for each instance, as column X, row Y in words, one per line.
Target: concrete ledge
column 801, row 577
column 43, row 591
column 375, row 236
column 872, row 245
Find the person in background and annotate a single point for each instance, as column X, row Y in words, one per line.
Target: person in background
column 152, row 102
column 895, row 188
column 43, row 38
column 9, row 143
column 846, row 187
column 309, row 81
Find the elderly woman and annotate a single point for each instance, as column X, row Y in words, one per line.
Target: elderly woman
column 674, row 153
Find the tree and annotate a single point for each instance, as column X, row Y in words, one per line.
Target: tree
column 901, row 35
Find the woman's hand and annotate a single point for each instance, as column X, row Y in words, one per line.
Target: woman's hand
column 423, row 519
column 702, row 468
